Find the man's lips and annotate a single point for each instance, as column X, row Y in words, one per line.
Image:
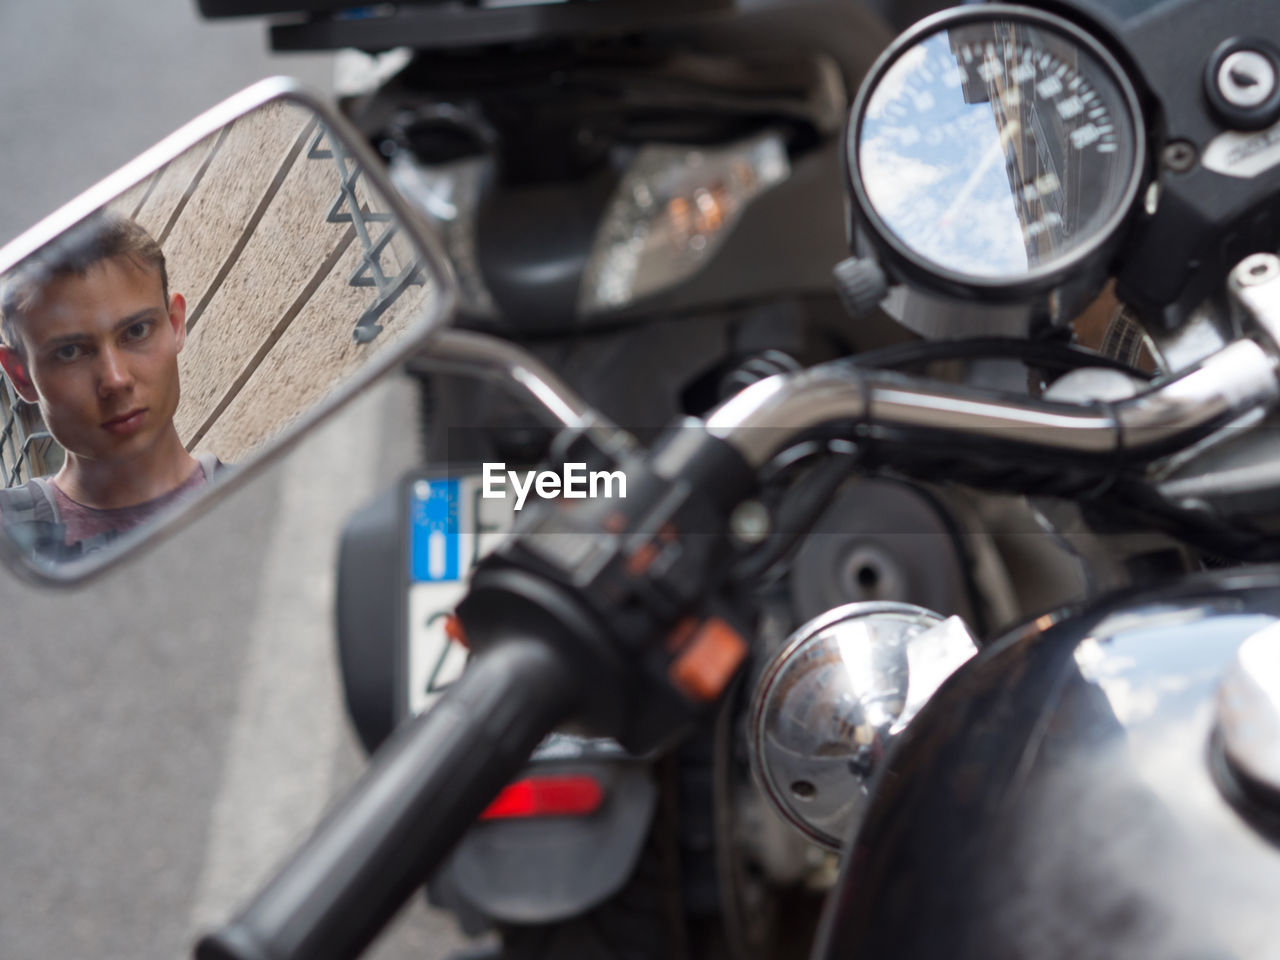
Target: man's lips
column 126, row 423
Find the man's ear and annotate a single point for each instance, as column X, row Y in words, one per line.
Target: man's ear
column 178, row 317
column 15, row 369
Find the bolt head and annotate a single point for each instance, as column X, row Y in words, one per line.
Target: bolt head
column 1179, row 156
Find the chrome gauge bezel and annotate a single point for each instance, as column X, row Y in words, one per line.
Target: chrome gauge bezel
column 901, row 262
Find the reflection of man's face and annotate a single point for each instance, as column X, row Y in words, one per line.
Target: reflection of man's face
column 101, row 354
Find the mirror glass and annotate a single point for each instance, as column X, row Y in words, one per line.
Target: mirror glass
column 206, row 310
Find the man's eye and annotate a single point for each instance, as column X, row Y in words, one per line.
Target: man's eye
column 138, row 331
column 68, row 352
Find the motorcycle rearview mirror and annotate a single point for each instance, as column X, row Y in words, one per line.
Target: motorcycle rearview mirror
column 168, row 332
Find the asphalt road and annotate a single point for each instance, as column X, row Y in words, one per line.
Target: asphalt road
column 168, row 732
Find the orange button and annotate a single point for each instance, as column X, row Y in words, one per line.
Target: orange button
column 709, row 661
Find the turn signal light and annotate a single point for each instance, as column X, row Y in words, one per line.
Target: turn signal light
column 569, row 796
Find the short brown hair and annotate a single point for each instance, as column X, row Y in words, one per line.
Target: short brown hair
column 101, row 236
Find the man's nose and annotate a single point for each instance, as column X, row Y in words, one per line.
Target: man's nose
column 114, row 374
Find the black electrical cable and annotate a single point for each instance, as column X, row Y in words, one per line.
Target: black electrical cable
column 981, row 624
column 1135, row 504
column 796, row 512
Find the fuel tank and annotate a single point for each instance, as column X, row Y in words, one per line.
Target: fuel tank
column 1101, row 783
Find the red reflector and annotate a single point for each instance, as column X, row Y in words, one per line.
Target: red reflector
column 546, row 797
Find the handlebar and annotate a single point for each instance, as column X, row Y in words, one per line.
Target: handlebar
column 492, row 358
column 1240, row 378
column 399, row 821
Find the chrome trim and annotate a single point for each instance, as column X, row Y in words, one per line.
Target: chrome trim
column 1206, row 331
column 831, row 702
column 1228, row 472
column 1085, row 429
column 766, row 417
column 1255, row 286
column 1238, row 378
column 1248, row 709
column 438, row 311
column 787, row 404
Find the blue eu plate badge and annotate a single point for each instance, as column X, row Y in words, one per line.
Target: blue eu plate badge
column 435, row 535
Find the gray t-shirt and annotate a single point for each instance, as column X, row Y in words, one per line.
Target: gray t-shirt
column 44, row 519
column 84, row 523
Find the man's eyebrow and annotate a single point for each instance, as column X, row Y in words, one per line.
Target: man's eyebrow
column 134, row 317
column 122, row 324
column 65, row 339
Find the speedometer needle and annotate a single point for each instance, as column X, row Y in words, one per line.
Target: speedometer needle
column 994, row 153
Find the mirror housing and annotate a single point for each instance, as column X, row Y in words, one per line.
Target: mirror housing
column 179, row 325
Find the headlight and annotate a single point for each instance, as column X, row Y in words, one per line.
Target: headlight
column 673, row 209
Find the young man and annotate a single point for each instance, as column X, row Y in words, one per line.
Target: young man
column 91, row 334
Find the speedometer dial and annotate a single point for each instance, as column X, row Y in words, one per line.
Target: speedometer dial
column 996, row 146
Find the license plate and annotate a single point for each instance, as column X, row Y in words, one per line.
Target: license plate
column 451, row 527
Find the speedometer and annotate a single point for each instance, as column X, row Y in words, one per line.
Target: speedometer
column 993, row 149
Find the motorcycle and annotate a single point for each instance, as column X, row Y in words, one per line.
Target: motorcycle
column 1101, row 780
column 709, row 139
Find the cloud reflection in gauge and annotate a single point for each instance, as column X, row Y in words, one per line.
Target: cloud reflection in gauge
column 997, row 146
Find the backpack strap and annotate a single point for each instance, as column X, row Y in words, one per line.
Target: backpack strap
column 33, row 502
column 30, row 514
column 209, row 463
